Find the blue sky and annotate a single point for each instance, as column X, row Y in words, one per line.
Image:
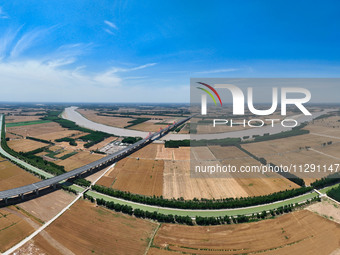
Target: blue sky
column 146, row 51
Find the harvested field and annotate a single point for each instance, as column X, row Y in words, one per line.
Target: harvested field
column 173, row 166
column 142, row 172
column 149, row 126
column 103, row 143
column 13, row 228
column 289, row 144
column 47, row 206
column 325, row 125
column 87, row 229
column 299, row 150
column 106, row 120
column 327, row 209
column 48, row 131
column 31, row 248
column 147, row 152
column 179, row 183
column 158, row 151
column 12, row 136
column 13, row 119
column 67, row 146
column 332, row 151
column 80, row 159
column 11, row 176
column 25, row 145
column 301, row 158
column 300, row 232
column 142, row 176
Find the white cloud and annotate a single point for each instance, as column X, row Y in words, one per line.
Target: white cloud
column 110, row 24
column 67, row 54
column 3, row 15
column 119, row 69
column 219, row 71
column 109, row 31
column 37, row 81
column 26, row 41
column 51, row 77
column 6, row 42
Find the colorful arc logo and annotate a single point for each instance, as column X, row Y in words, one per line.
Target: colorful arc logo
column 209, row 93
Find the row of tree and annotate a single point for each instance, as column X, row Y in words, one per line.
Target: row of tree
column 237, row 141
column 131, row 140
column 334, row 193
column 263, row 161
column 92, row 138
column 326, row 181
column 32, row 159
column 199, row 220
column 141, row 213
column 202, row 203
column 82, row 182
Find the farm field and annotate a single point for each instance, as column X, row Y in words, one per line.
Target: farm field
column 14, row 226
column 300, row 232
column 141, row 176
column 149, row 126
column 327, row 209
column 47, row 206
column 11, row 176
column 80, row 159
column 106, row 120
column 103, row 143
column 25, row 145
column 47, row 131
column 301, row 158
column 326, row 126
column 186, row 128
column 142, row 172
column 156, row 170
column 16, row 118
column 299, row 150
column 87, row 229
column 179, row 183
column 289, row 144
column 27, row 123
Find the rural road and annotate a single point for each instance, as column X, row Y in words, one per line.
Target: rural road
column 71, row 114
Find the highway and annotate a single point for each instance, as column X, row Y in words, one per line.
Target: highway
column 51, row 182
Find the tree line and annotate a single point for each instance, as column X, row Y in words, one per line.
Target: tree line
column 92, row 138
column 326, row 181
column 202, row 203
column 292, row 177
column 32, row 159
column 199, row 220
column 334, row 193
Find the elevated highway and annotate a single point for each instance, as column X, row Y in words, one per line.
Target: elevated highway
column 101, row 163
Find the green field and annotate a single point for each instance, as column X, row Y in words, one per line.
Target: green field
column 26, row 123
column 206, row 213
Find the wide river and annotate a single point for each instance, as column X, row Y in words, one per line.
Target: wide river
column 70, row 113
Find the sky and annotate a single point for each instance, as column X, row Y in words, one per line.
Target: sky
column 147, row 51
